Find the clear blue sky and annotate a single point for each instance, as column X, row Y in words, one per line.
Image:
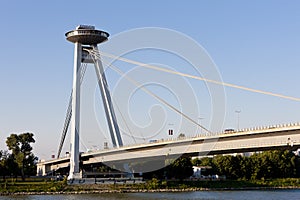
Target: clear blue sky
column 253, row 43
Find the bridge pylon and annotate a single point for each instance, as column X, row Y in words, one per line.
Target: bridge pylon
column 88, row 37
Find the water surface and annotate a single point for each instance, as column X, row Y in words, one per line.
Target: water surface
column 200, row 195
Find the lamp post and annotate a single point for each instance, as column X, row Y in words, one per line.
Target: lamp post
column 200, row 118
column 238, row 118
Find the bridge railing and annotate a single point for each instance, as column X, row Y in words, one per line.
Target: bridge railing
column 278, row 127
column 239, row 131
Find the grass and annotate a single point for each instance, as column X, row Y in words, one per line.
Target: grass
column 10, row 186
column 284, row 182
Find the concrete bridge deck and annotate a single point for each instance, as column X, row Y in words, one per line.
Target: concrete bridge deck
column 247, row 140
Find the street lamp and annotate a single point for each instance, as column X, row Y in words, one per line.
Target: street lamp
column 200, row 118
column 238, row 118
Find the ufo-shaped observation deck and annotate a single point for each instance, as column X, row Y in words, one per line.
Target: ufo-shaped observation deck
column 87, row 35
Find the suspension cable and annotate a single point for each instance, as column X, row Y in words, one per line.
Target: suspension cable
column 69, row 112
column 197, row 77
column 123, row 118
column 157, row 97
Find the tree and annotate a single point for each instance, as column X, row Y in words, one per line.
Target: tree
column 21, row 148
column 265, row 165
column 245, row 167
column 274, row 164
column 2, row 165
column 180, row 168
column 287, row 164
column 205, row 161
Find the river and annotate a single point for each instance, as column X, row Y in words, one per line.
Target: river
column 199, row 195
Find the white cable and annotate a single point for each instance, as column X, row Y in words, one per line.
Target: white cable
column 97, row 55
column 198, row 78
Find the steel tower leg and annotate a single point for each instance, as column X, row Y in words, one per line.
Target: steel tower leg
column 107, row 103
column 75, row 120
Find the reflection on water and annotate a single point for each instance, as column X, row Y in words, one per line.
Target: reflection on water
column 201, row 195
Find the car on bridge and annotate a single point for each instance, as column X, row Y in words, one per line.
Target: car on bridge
column 229, row 130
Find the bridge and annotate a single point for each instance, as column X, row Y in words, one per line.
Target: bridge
column 247, row 140
column 155, row 154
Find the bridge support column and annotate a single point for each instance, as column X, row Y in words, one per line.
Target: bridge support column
column 107, row 103
column 89, row 37
column 75, row 120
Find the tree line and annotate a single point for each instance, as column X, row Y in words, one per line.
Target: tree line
column 265, row 165
column 18, row 160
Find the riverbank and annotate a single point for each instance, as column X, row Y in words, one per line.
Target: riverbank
column 154, row 185
column 145, row 191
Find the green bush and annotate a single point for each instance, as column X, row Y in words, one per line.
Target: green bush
column 152, row 184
